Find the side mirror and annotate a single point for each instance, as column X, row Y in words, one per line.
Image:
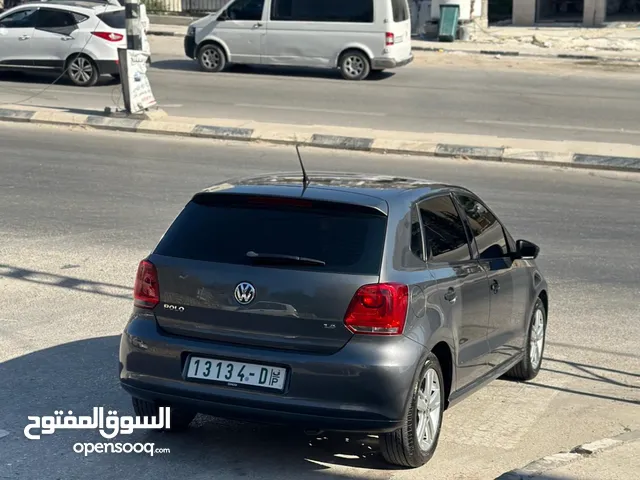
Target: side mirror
column 527, row 250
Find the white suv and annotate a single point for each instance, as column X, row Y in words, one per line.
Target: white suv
column 80, row 37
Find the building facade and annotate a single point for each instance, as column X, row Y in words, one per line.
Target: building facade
column 590, row 13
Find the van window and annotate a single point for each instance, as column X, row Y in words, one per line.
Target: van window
column 400, row 10
column 352, row 11
column 250, row 10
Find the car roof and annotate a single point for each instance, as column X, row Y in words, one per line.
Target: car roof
column 377, row 191
column 78, row 6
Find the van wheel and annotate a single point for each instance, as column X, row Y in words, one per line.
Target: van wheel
column 414, row 444
column 354, row 65
column 211, row 58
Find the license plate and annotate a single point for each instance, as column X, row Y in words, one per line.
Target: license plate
column 237, row 373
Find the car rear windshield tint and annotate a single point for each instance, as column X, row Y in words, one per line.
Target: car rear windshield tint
column 113, row 19
column 400, row 10
column 349, row 242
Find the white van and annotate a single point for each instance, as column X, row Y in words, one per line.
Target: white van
column 355, row 36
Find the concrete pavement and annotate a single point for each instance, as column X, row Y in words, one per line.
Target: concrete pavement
column 619, row 463
column 505, row 97
column 614, row 458
column 81, row 208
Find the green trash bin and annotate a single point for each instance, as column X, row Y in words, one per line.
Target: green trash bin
column 448, row 23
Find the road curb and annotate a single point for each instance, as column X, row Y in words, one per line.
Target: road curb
column 515, row 53
column 490, row 52
column 557, row 460
column 289, row 136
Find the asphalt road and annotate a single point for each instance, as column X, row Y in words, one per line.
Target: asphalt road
column 80, row 209
column 453, row 95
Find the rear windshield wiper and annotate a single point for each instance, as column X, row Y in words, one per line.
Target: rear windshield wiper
column 276, row 259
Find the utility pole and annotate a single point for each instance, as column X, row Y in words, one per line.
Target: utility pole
column 132, row 24
column 136, row 90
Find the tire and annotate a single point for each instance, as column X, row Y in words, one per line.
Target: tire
column 529, row 366
column 212, row 58
column 180, row 418
column 354, row 65
column 403, row 446
column 82, row 71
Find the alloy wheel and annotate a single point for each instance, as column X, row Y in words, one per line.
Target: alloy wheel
column 354, row 66
column 428, row 407
column 211, row 58
column 536, row 342
column 81, row 70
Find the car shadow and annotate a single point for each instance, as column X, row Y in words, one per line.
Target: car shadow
column 49, row 79
column 192, row 66
column 83, row 374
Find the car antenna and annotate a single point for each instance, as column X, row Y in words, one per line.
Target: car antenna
column 305, row 178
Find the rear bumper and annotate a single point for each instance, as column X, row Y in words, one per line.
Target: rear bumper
column 380, row 63
column 190, row 46
column 108, row 67
column 364, row 387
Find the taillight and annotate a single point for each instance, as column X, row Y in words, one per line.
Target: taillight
column 378, row 309
column 146, row 291
column 389, row 38
column 109, row 36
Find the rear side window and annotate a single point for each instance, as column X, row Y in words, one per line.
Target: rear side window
column 113, row 19
column 349, row 242
column 51, row 19
column 486, row 229
column 352, row 11
column 400, row 10
column 79, row 18
column 444, row 231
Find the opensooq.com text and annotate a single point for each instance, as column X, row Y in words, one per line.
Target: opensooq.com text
column 89, row 448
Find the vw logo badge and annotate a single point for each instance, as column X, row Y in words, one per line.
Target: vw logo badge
column 244, row 293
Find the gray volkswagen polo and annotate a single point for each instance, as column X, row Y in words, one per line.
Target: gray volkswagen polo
column 337, row 302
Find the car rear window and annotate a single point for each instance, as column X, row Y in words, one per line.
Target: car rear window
column 348, row 241
column 400, row 10
column 113, row 19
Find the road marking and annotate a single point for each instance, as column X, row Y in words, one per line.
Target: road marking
column 3, row 433
column 560, row 127
column 170, row 105
column 304, row 109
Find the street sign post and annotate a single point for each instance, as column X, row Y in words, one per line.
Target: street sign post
column 133, row 61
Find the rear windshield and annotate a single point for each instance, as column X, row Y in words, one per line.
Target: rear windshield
column 400, row 10
column 349, row 242
column 113, row 19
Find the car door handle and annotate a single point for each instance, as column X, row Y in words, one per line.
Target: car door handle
column 66, row 39
column 495, row 286
column 451, row 296
column 257, row 25
column 24, row 37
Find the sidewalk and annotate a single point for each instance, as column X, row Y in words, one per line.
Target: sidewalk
column 621, row 44
column 591, row 155
column 609, row 459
